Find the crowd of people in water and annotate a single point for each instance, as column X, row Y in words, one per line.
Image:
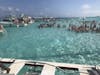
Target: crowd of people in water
column 85, row 26
column 93, row 27
column 49, row 25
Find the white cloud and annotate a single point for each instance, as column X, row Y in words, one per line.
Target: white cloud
column 41, row 13
column 88, row 10
column 2, row 8
column 10, row 8
column 86, row 6
column 6, row 8
column 17, row 9
column 95, row 12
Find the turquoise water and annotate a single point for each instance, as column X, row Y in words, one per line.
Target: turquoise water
column 51, row 44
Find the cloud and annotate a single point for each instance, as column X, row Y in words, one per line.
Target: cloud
column 10, row 8
column 88, row 10
column 94, row 12
column 2, row 8
column 41, row 13
column 17, row 9
column 86, row 6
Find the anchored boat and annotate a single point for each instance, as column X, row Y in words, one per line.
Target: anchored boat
column 17, row 21
column 48, row 68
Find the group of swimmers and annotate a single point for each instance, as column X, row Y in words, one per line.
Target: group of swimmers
column 49, row 25
column 85, row 27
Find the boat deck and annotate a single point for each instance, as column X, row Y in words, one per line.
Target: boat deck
column 16, row 66
column 49, row 68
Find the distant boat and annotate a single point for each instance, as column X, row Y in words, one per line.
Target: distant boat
column 3, row 22
column 11, row 24
column 6, row 24
column 17, row 22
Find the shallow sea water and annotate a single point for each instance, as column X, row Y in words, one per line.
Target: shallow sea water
column 51, row 44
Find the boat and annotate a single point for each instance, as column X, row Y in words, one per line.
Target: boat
column 17, row 21
column 47, row 68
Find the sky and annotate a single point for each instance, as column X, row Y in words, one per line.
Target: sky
column 52, row 8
